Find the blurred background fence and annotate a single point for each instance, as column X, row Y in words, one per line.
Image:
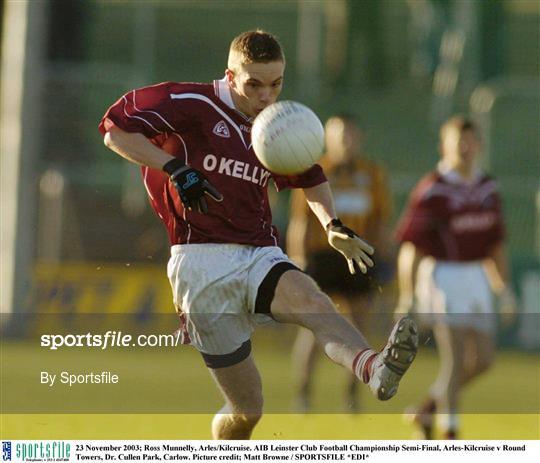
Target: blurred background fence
column 402, row 66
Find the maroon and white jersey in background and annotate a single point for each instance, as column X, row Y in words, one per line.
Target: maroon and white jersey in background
column 198, row 124
column 452, row 220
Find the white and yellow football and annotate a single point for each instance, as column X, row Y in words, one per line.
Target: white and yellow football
column 287, row 137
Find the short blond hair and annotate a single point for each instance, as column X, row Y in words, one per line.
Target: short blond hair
column 255, row 46
column 459, row 123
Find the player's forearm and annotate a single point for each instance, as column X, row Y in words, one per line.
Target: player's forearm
column 497, row 269
column 321, row 202
column 407, row 265
column 136, row 148
column 296, row 240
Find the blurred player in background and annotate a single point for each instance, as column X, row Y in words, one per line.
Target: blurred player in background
column 452, row 256
column 362, row 199
column 226, row 270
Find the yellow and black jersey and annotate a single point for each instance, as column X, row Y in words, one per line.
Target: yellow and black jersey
column 362, row 199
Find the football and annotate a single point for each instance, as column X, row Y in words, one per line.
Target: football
column 287, row 137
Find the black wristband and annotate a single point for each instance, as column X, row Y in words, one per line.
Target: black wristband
column 173, row 165
column 333, row 223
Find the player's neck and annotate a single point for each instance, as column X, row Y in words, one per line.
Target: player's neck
column 239, row 103
column 466, row 171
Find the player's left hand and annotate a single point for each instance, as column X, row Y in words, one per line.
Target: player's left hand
column 348, row 243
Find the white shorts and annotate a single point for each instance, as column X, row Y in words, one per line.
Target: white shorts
column 455, row 293
column 216, row 289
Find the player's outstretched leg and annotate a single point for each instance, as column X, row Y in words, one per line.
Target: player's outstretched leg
column 394, row 360
column 299, row 300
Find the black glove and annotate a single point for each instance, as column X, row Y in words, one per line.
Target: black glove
column 348, row 243
column 192, row 185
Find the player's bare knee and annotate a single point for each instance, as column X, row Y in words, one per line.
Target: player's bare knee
column 226, row 426
column 248, row 417
column 310, row 311
column 248, row 420
column 319, row 302
column 251, row 405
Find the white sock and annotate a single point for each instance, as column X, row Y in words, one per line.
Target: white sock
column 362, row 364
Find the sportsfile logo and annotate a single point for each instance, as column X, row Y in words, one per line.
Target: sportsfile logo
column 41, row 451
column 6, row 451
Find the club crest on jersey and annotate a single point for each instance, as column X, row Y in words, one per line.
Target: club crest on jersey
column 221, row 130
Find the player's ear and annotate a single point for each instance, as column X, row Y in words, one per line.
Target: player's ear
column 229, row 74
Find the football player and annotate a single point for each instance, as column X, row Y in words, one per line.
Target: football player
column 226, row 270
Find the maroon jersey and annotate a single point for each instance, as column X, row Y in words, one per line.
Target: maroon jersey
column 198, row 124
column 452, row 220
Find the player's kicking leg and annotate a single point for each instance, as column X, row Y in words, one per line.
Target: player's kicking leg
column 299, row 300
column 394, row 360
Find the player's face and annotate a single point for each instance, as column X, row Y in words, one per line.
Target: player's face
column 461, row 149
column 256, row 85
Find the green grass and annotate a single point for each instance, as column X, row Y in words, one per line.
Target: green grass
column 272, row 426
column 168, row 394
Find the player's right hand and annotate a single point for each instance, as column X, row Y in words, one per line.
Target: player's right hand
column 192, row 186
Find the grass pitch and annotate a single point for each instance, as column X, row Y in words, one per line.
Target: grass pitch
column 170, row 395
column 272, row 426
